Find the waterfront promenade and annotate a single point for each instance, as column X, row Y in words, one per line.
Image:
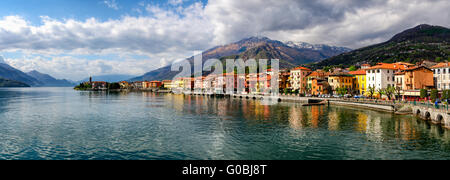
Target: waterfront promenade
column 437, row 114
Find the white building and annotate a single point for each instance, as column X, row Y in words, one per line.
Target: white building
column 382, row 75
column 298, row 78
column 441, row 76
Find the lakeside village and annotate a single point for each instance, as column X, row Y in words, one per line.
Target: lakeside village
column 424, row 81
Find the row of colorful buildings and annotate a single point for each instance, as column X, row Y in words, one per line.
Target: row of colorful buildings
column 141, row 85
column 406, row 77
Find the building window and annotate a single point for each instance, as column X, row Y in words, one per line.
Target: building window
column 378, row 71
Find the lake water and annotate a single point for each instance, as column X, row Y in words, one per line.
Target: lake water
column 60, row 123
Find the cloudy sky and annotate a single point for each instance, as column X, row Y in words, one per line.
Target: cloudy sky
column 76, row 38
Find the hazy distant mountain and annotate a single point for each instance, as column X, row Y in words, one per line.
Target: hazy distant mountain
column 49, row 81
column 11, row 83
column 10, row 73
column 325, row 50
column 423, row 42
column 109, row 78
column 250, row 48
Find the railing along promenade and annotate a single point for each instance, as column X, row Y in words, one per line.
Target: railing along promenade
column 444, row 108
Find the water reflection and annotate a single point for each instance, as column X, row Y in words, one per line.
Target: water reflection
column 65, row 124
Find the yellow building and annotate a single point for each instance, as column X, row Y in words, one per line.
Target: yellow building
column 341, row 80
column 359, row 81
column 178, row 84
column 167, row 84
column 124, row 85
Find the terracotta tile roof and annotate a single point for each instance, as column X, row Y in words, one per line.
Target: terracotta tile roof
column 440, row 65
column 404, row 63
column 359, row 72
column 394, row 66
column 318, row 74
column 341, row 74
column 416, row 67
column 301, row 68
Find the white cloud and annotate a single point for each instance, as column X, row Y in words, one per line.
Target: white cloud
column 352, row 23
column 111, row 4
column 169, row 34
column 175, row 2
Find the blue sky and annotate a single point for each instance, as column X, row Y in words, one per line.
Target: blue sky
column 79, row 9
column 76, row 38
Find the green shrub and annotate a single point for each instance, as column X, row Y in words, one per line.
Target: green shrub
column 434, row 95
column 423, row 93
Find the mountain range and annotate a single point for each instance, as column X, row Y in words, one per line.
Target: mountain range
column 10, row 83
column 12, row 77
column 10, row 73
column 49, row 81
column 290, row 54
column 109, row 78
column 423, row 42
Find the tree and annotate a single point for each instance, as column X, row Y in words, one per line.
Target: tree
column 114, row 86
column 389, row 91
column 352, row 68
column 445, row 95
column 286, row 90
column 371, row 91
column 342, row 91
column 434, row 95
column 380, row 92
column 308, row 89
column 423, row 93
column 398, row 92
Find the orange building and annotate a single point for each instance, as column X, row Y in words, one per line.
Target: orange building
column 145, row 85
column 283, row 79
column 415, row 78
column 155, row 84
column 319, row 86
column 319, row 74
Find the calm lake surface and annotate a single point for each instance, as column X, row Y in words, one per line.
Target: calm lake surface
column 60, row 123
